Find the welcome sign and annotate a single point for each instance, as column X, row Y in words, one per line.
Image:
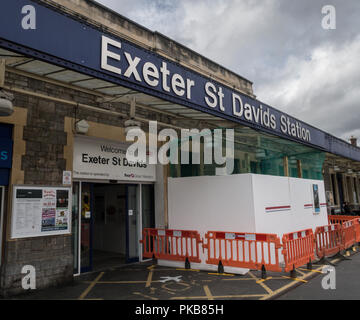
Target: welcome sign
column 106, row 160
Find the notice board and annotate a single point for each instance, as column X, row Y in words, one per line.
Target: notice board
column 40, row 211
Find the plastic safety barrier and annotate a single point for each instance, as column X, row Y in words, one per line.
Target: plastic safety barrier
column 298, row 249
column 340, row 219
column 328, row 240
column 348, row 235
column 243, row 250
column 357, row 229
column 169, row 244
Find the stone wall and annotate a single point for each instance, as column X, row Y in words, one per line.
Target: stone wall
column 43, row 164
column 50, row 256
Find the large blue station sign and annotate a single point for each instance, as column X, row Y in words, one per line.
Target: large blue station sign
column 6, row 146
column 76, row 45
column 6, row 151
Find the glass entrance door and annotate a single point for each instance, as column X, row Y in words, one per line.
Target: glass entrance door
column 132, row 214
column 121, row 208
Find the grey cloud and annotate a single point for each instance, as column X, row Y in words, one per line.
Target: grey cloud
column 272, row 43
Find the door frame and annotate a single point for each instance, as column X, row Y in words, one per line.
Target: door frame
column 139, row 222
column 2, row 221
column 90, row 267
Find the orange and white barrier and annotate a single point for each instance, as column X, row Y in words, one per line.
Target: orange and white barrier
column 357, row 229
column 167, row 244
column 348, row 234
column 340, row 219
column 298, row 248
column 256, row 251
column 328, row 240
column 243, row 250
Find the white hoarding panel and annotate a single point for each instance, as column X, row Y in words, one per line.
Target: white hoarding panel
column 287, row 205
column 249, row 203
column 211, row 203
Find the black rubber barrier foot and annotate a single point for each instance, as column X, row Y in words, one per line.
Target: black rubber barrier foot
column 293, row 273
column 309, row 265
column 263, row 272
column 187, row 264
column 220, row 267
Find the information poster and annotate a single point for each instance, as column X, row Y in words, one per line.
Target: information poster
column 316, row 198
column 40, row 211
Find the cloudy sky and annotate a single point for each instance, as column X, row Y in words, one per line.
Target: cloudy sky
column 296, row 65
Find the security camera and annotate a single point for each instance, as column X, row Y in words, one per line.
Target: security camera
column 6, row 106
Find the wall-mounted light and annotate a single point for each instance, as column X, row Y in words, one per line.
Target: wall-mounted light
column 6, row 106
column 131, row 125
column 82, row 127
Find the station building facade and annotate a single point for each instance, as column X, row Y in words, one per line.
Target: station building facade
column 70, row 202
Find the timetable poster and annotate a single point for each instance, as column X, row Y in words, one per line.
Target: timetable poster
column 40, row 211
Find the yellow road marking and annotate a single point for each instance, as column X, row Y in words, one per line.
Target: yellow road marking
column 268, row 290
column 182, row 269
column 92, row 284
column 148, row 281
column 302, row 273
column 145, row 296
column 222, row 274
column 208, row 293
column 151, row 267
column 295, row 279
column 263, row 280
column 122, row 282
column 237, row 279
column 310, row 270
column 292, row 283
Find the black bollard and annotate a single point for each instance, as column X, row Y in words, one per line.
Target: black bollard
column 220, row 267
column 187, row 263
column 263, row 272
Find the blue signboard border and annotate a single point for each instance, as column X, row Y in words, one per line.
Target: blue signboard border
column 323, row 140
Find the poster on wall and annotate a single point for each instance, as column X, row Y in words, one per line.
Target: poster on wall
column 40, row 211
column 316, row 199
